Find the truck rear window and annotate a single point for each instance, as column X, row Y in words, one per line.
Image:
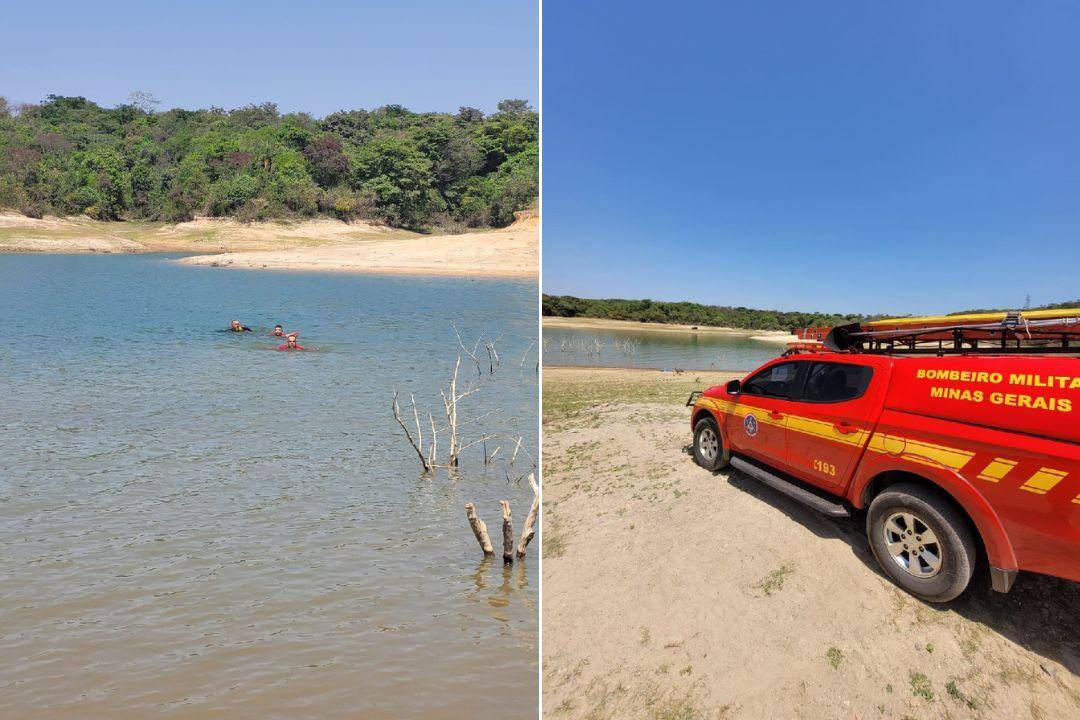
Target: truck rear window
column 835, row 382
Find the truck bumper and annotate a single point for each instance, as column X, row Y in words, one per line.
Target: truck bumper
column 1002, row 580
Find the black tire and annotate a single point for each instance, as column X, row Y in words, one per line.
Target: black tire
column 702, row 455
column 955, row 550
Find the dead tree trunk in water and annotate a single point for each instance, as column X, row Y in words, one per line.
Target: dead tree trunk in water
column 479, row 530
column 527, row 530
column 508, row 533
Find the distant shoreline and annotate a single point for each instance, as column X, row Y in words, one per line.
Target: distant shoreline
column 586, row 323
column 316, row 245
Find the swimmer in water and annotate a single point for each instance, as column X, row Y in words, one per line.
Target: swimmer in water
column 235, row 326
column 291, row 344
column 278, row 331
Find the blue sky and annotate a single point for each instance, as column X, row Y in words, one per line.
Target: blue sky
column 316, row 55
column 841, row 156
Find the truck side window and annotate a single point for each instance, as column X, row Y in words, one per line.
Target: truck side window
column 777, row 381
column 836, row 382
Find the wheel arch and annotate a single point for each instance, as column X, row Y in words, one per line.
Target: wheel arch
column 990, row 536
column 702, row 412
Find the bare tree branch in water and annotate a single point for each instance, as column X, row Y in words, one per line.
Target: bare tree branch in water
column 470, row 353
column 508, row 532
column 525, row 355
column 452, row 396
column 433, row 454
column 418, row 442
column 527, row 530
column 493, row 356
column 479, row 530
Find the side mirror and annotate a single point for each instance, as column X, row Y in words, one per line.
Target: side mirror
column 734, row 387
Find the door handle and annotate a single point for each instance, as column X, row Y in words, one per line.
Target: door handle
column 844, row 427
column 773, row 415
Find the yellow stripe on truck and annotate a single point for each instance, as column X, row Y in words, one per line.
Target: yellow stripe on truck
column 997, row 469
column 1043, row 481
column 916, row 451
column 826, row 430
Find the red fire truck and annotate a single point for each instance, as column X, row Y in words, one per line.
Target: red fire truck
column 958, row 436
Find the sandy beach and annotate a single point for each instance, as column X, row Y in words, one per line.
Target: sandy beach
column 320, row 244
column 584, row 323
column 670, row 591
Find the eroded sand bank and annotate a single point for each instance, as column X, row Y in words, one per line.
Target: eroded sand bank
column 320, row 244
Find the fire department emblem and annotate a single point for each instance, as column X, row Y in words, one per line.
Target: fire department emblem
column 749, row 424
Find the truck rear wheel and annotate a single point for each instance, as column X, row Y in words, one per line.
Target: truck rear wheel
column 709, row 451
column 921, row 542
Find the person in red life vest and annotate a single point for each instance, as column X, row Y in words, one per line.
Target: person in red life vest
column 291, row 344
column 278, row 331
column 235, row 326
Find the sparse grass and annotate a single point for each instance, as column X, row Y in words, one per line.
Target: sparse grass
column 1016, row 674
column 687, row 670
column 835, row 656
column 565, row 706
column 663, row 669
column 956, row 694
column 567, row 395
column 921, row 687
column 774, row 581
column 678, row 709
column 645, row 636
column 552, row 544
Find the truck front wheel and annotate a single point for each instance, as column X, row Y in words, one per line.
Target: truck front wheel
column 921, row 541
column 709, row 451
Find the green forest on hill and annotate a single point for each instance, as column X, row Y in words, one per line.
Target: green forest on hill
column 70, row 156
column 687, row 313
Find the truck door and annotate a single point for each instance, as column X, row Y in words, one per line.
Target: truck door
column 755, row 426
column 830, row 422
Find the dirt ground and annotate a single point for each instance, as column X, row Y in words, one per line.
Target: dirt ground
column 673, row 593
column 320, row 244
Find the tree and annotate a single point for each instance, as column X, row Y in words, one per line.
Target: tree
column 470, row 114
column 514, row 107
column 400, row 175
column 144, row 101
column 418, row 170
column 327, row 162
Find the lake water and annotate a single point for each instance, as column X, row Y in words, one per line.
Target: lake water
column 193, row 525
column 655, row 349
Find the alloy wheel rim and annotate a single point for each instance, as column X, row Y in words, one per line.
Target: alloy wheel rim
column 912, row 544
column 708, row 444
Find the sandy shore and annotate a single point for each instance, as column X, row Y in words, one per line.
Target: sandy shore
column 671, row 592
column 582, row 323
column 290, row 245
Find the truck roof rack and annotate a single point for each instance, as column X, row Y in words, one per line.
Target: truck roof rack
column 1038, row 332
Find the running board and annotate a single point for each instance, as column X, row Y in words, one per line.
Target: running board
column 824, row 505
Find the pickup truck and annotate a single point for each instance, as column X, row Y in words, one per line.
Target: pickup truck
column 955, row 460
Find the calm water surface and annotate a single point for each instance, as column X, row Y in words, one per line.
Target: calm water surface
column 193, row 525
column 652, row 349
